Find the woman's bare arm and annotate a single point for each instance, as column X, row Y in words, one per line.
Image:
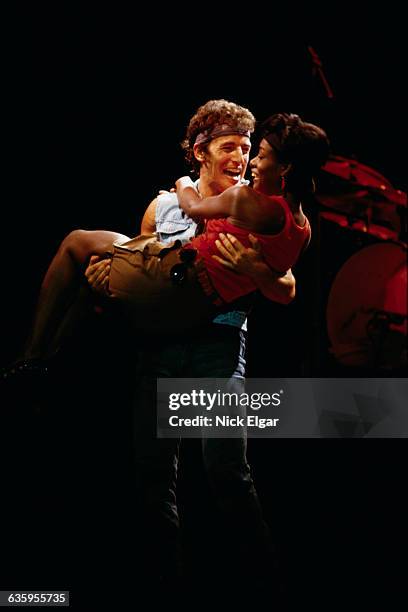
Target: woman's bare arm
column 209, row 208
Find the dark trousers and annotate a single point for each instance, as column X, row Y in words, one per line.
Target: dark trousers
column 218, row 352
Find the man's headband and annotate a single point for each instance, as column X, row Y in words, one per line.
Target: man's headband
column 219, row 130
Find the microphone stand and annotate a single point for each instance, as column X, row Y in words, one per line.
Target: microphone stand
column 318, row 360
column 318, row 69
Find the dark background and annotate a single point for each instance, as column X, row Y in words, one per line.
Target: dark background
column 99, row 100
column 97, row 103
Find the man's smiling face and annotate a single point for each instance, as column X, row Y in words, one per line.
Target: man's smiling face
column 225, row 161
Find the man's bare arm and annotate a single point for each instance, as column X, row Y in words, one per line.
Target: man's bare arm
column 249, row 261
column 282, row 289
column 148, row 225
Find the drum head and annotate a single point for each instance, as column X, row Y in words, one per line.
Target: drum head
column 367, row 308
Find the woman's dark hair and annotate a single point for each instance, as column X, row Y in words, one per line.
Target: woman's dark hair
column 303, row 145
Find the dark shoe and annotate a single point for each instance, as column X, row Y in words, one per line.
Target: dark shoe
column 23, row 385
column 22, row 369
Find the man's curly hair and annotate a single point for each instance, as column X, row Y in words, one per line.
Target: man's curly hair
column 211, row 114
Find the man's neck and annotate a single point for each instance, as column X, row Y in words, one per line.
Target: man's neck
column 204, row 189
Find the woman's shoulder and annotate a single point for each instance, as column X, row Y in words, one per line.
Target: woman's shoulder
column 259, row 212
column 244, row 192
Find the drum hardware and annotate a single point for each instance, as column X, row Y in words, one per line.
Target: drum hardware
column 382, row 322
column 367, row 308
column 363, row 266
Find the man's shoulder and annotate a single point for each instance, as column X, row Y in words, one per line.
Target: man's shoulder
column 167, row 196
column 166, row 201
column 171, row 222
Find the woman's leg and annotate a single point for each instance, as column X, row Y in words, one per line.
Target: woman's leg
column 61, row 287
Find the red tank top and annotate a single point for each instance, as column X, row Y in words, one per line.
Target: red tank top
column 280, row 251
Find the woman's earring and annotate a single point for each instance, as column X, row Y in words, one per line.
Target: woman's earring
column 283, row 184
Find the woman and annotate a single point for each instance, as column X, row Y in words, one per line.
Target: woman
column 153, row 282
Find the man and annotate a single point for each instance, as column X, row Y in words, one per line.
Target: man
column 217, row 145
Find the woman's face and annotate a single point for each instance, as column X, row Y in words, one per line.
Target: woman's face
column 266, row 171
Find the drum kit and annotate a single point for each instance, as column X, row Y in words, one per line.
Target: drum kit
column 366, row 312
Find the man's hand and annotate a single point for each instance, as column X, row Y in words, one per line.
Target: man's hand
column 97, row 274
column 249, row 261
column 237, row 257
